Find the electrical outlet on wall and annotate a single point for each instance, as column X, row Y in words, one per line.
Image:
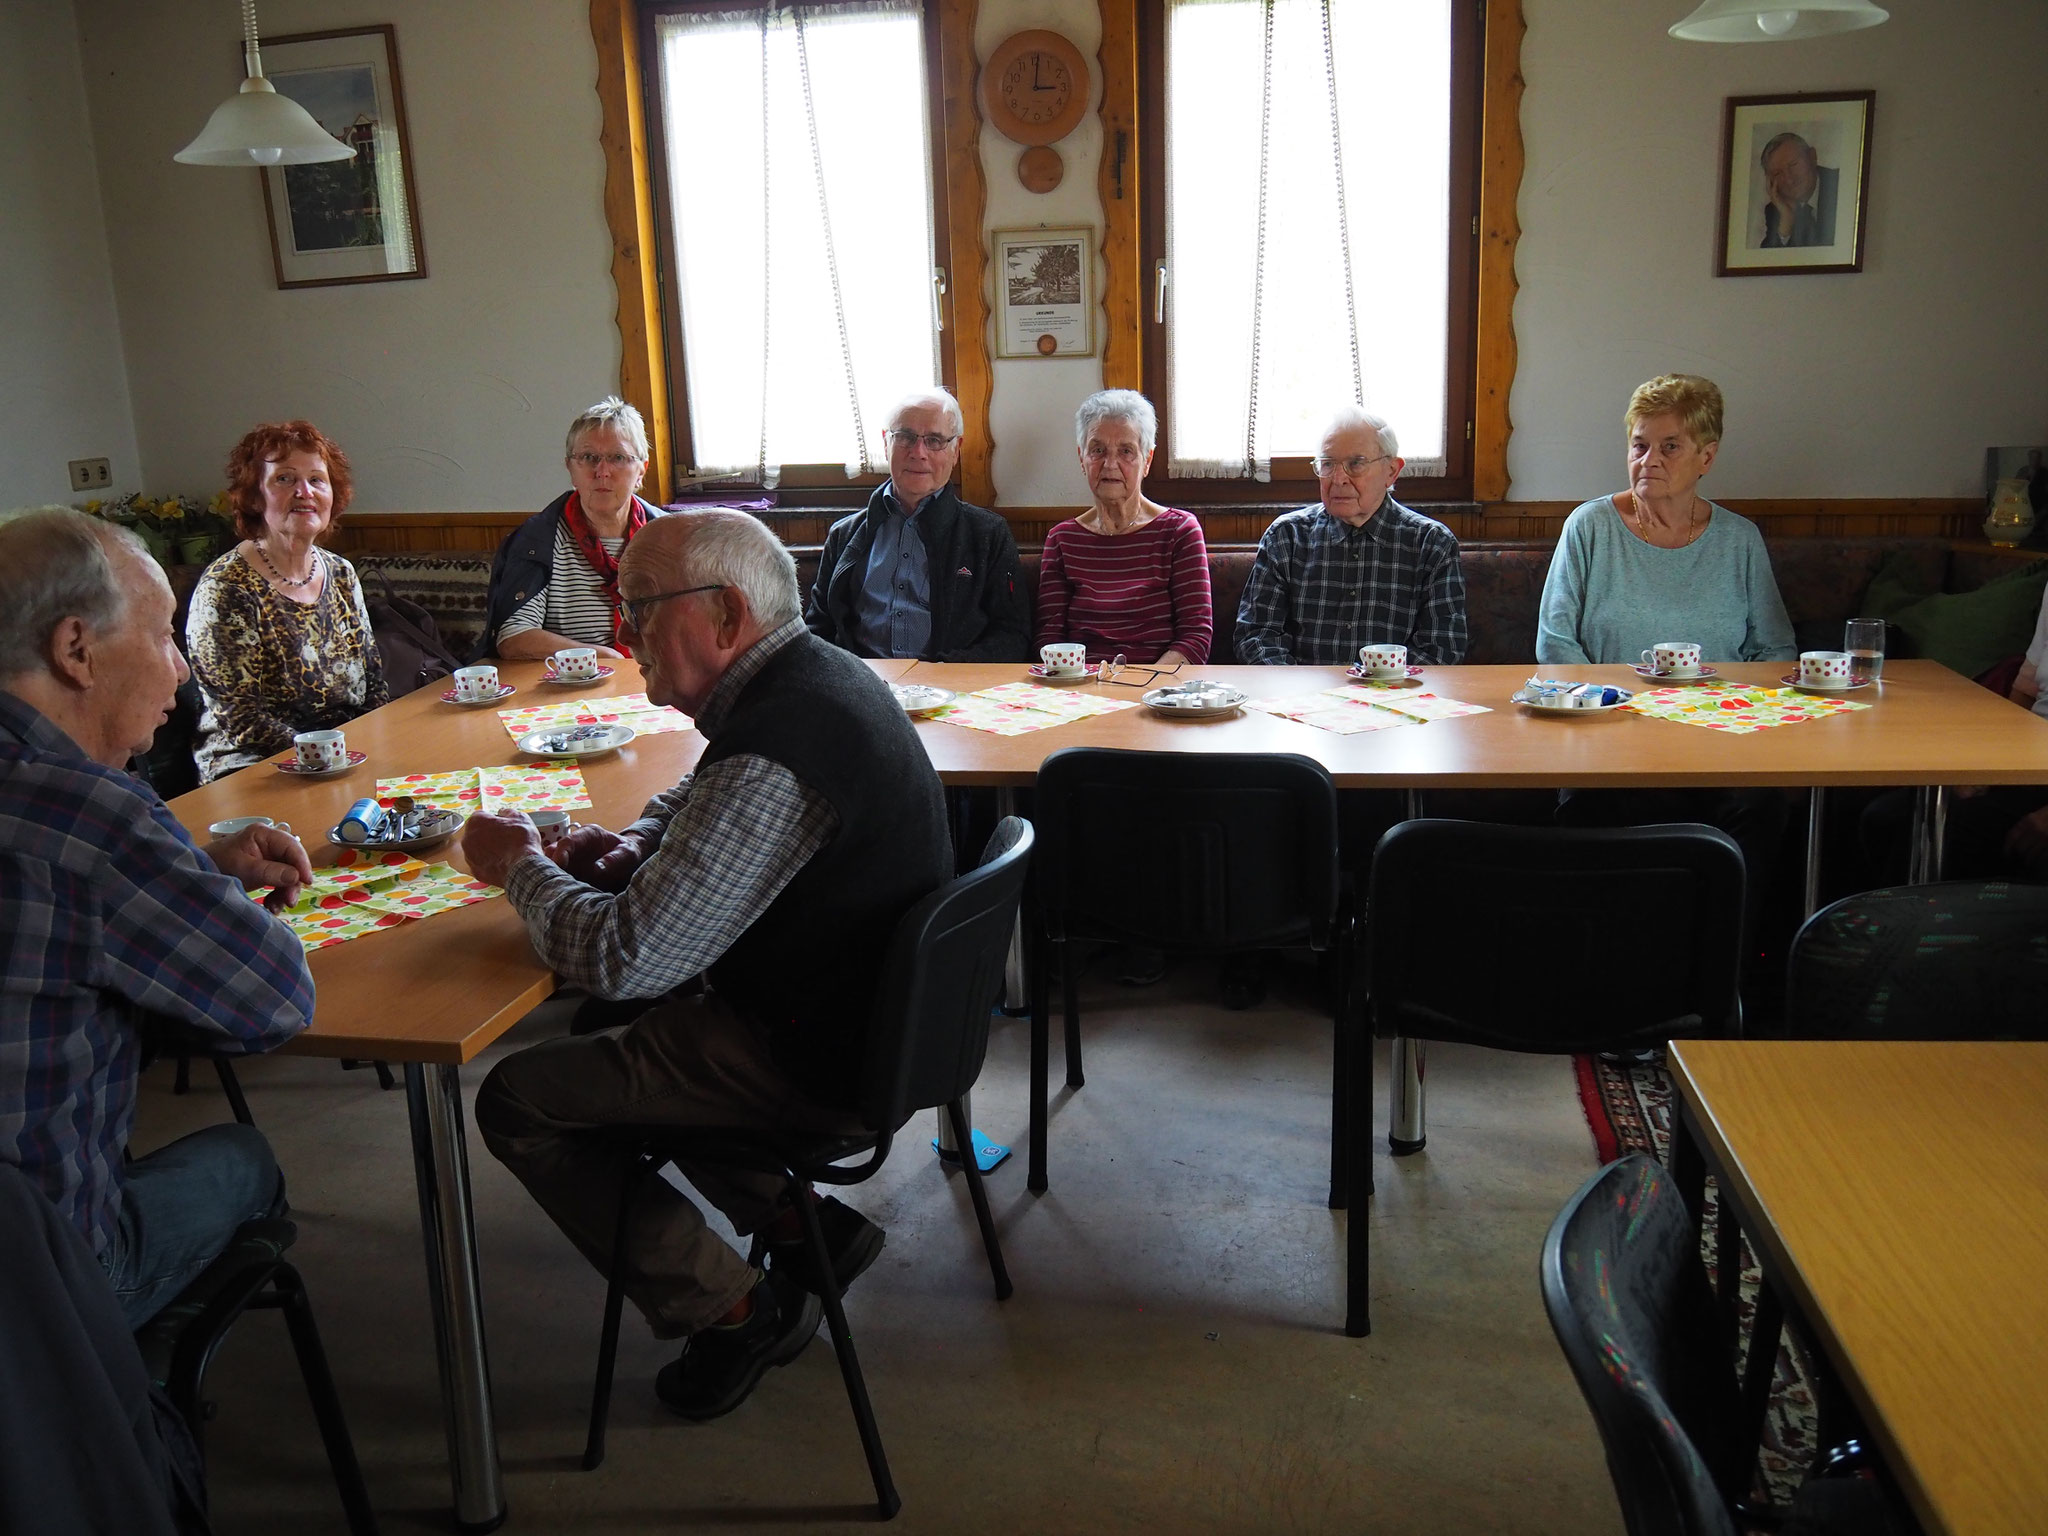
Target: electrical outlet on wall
column 90, row 474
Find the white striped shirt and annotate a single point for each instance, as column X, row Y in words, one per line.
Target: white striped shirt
column 573, row 601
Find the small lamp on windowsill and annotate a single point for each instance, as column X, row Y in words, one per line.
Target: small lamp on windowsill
column 257, row 126
column 1775, row 21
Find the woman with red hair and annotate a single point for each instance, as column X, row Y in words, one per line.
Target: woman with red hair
column 279, row 636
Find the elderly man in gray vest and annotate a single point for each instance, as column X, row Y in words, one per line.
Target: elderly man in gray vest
column 777, row 872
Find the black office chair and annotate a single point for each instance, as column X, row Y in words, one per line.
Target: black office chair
column 1961, row 960
column 252, row 1272
column 1628, row 1300
column 1542, row 939
column 926, row 1042
column 1178, row 851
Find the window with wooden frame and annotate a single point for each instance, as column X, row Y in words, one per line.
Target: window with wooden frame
column 1309, row 226
column 801, row 213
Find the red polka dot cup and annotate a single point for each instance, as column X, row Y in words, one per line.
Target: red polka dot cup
column 1673, row 658
column 1824, row 669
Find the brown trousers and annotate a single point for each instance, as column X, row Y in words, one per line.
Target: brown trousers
column 685, row 1062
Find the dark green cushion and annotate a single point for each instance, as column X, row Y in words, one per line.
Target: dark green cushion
column 1968, row 632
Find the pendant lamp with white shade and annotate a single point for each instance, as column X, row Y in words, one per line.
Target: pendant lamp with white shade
column 257, row 126
column 1776, row 21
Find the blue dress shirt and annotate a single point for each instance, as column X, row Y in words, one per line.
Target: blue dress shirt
column 894, row 605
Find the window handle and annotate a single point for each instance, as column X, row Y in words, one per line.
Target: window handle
column 1159, row 293
column 938, row 298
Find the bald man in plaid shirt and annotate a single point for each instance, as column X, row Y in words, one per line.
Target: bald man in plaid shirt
column 1356, row 569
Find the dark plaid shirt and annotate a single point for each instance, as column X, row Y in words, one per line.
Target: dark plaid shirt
column 109, row 917
column 1321, row 589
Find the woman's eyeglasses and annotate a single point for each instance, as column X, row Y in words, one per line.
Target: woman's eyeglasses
column 603, row 460
column 1115, row 669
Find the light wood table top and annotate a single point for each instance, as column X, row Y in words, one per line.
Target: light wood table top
column 442, row 989
column 1901, row 1192
column 1929, row 726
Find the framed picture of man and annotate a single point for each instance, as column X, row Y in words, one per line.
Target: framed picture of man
column 1794, row 170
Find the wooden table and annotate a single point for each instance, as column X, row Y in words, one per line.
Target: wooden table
column 1898, row 1194
column 433, row 994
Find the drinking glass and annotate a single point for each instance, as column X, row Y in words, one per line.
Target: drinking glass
column 1864, row 641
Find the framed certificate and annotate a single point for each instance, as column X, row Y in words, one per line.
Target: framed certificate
column 1045, row 305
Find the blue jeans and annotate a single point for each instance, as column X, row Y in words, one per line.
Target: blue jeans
column 181, row 1205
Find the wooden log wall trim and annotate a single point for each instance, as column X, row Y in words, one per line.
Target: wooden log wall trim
column 1124, row 287
column 1954, row 518
column 1500, row 228
column 966, row 200
column 629, row 214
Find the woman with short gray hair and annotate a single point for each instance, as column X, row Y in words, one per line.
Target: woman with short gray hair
column 1128, row 577
column 555, row 581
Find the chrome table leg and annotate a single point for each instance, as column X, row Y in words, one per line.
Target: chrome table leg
column 1406, row 1130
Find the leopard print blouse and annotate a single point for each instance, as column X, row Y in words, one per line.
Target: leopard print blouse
column 270, row 667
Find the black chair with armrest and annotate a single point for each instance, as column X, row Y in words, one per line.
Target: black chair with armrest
column 926, row 1043
column 1182, row 852
column 1629, row 1303
column 1541, row 939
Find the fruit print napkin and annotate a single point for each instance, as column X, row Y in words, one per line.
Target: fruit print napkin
column 1016, row 709
column 347, row 900
column 634, row 709
column 553, row 783
column 1738, row 710
column 1355, row 708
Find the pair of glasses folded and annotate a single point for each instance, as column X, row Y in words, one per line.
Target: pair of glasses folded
column 1120, row 674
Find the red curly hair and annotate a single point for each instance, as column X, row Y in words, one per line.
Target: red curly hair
column 268, row 444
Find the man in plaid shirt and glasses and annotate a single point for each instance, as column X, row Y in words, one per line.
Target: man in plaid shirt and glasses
column 1356, row 569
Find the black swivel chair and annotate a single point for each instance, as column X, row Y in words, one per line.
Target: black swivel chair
column 1960, row 960
column 1628, row 1300
column 926, row 1042
column 1542, row 939
column 1179, row 851
column 252, row 1272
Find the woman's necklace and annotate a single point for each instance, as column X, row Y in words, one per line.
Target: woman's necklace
column 1642, row 528
column 288, row 583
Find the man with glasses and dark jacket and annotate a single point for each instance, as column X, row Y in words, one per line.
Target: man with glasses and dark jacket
column 918, row 572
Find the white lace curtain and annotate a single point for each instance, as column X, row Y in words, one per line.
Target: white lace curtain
column 799, row 166
column 1308, row 200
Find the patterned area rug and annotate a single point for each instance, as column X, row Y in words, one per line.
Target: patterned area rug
column 1630, row 1109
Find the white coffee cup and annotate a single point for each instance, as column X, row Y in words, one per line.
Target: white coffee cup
column 550, row 824
column 1064, row 658
column 1824, row 669
column 235, row 824
column 578, row 664
column 1673, row 658
column 319, row 751
column 1383, row 660
column 474, row 683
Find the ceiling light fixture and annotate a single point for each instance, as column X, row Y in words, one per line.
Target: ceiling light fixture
column 257, row 126
column 1775, row 21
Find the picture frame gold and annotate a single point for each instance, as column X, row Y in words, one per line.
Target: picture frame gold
column 1795, row 177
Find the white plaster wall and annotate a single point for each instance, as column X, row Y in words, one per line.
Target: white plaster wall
column 1031, row 413
column 63, row 391
column 449, row 393
column 1889, row 382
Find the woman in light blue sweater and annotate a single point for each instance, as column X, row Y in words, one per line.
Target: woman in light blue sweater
column 1659, row 561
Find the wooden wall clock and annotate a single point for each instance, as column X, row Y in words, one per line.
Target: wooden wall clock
column 1034, row 87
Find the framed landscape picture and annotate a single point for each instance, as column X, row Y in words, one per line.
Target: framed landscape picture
column 1794, row 174
column 344, row 221
column 1044, row 307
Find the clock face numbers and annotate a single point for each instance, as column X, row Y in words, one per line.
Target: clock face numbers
column 1037, row 87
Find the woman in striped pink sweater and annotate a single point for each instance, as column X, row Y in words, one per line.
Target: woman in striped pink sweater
column 1127, row 576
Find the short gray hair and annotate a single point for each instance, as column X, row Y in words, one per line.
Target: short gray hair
column 57, row 564
column 1771, row 148
column 1125, row 405
column 725, row 547
column 942, row 398
column 1353, row 416
column 611, row 412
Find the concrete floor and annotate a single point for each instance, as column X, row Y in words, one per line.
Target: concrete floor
column 1173, row 1359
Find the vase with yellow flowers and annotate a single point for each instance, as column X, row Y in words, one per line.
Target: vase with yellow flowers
column 177, row 530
